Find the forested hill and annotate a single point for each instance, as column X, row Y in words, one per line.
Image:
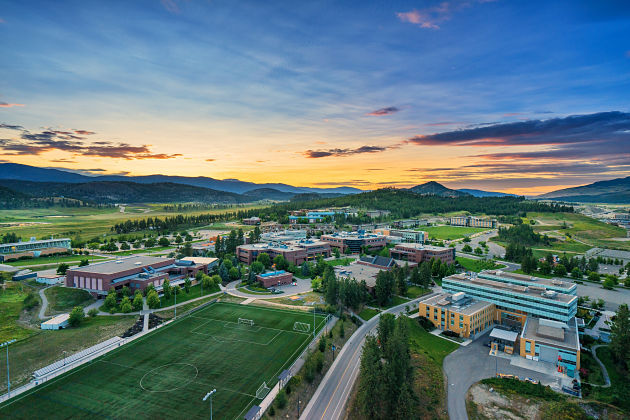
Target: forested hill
column 122, row 192
column 404, row 203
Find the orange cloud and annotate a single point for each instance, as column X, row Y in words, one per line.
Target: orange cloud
column 8, row 105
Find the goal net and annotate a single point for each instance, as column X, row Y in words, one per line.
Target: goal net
column 246, row 321
column 301, row 327
column 262, row 391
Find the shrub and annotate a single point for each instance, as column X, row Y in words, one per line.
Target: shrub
column 281, row 399
column 76, row 316
column 92, row 312
column 322, row 344
column 30, row 301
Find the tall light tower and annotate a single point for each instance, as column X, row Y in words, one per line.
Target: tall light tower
column 6, row 344
column 209, row 395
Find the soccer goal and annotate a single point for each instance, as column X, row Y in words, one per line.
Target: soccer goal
column 246, row 321
column 262, row 391
column 301, row 327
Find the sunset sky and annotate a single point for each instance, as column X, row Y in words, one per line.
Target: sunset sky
column 514, row 96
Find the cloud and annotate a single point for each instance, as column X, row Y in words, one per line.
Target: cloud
column 84, row 132
column 442, row 123
column 8, row 105
column 383, row 111
column 2, row 20
column 29, row 143
column 314, row 154
column 171, row 6
column 210, row 160
column 11, row 127
column 604, row 126
column 433, row 17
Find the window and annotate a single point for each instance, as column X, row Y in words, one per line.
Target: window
column 528, row 346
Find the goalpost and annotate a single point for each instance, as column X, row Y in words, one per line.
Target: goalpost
column 301, row 327
column 262, row 391
column 245, row 321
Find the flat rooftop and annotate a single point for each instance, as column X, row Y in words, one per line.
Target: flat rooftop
column 422, row 246
column 123, row 264
column 555, row 333
column 534, row 290
column 554, row 282
column 358, row 272
column 466, row 306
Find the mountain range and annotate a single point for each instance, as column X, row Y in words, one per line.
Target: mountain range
column 21, row 172
column 614, row 191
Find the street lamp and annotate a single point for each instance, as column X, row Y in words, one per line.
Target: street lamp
column 64, row 361
column 6, row 344
column 209, row 395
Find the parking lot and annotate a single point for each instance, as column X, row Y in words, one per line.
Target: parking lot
column 471, row 363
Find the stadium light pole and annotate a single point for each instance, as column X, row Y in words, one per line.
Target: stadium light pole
column 175, row 304
column 6, row 344
column 64, row 361
column 209, row 395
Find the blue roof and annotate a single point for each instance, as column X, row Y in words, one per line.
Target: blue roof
column 273, row 273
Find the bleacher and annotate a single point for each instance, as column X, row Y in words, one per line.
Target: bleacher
column 41, row 373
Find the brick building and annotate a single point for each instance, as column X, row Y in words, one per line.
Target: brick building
column 418, row 253
column 354, row 241
column 275, row 278
column 295, row 252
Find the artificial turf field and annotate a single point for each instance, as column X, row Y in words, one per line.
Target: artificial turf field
column 165, row 374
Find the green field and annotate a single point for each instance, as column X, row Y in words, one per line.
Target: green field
column 11, row 305
column 166, row 374
column 368, row 313
column 471, row 264
column 450, row 232
column 63, row 299
column 85, row 222
column 27, row 262
column 416, row 291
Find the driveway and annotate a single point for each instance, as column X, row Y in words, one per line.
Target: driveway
column 303, row 286
column 493, row 249
column 470, row 364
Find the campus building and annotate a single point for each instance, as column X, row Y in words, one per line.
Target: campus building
column 295, row 252
column 517, row 296
column 417, row 253
column 275, row 278
column 458, row 313
column 34, row 248
column 252, row 221
column 410, row 236
column 409, row 223
column 136, row 272
column 471, row 221
column 353, row 241
column 284, row 236
column 552, row 342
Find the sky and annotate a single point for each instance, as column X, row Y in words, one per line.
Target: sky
column 517, row 96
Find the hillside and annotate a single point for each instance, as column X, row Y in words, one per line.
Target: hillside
column 434, row 188
column 31, row 173
column 106, row 192
column 615, row 191
column 482, row 193
column 268, row 194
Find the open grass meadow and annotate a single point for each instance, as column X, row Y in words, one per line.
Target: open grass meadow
column 54, row 259
column 12, row 296
column 450, row 232
column 470, row 264
column 166, row 373
column 63, row 299
column 86, row 222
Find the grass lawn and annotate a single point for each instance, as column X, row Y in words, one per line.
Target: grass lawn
column 11, row 305
column 424, row 342
column 54, row 260
column 166, row 373
column 46, row 346
column 340, row 261
column 416, row 291
column 246, row 289
column 368, row 313
column 195, row 292
column 63, row 299
column 450, row 232
column 471, row 264
column 396, row 300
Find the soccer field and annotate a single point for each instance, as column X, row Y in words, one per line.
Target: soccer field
column 165, row 374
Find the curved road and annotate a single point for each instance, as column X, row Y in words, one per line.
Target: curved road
column 330, row 398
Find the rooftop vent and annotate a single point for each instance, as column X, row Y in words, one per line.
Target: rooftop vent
column 550, row 294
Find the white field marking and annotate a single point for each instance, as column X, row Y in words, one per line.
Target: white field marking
column 289, row 359
column 229, row 322
column 232, row 340
column 175, row 388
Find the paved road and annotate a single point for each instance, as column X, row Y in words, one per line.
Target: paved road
column 493, row 249
column 470, row 364
column 42, row 310
column 330, row 398
column 604, row 371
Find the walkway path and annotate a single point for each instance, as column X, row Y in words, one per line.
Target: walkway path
column 303, row 286
column 601, row 365
column 42, row 310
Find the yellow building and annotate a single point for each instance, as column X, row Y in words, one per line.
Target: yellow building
column 458, row 313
